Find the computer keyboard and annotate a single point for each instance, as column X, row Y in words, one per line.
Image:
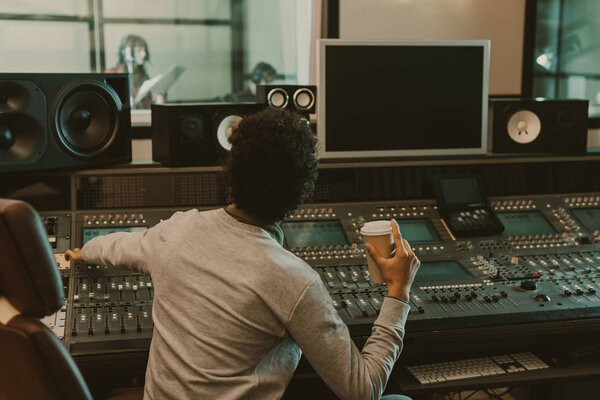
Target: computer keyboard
column 476, row 367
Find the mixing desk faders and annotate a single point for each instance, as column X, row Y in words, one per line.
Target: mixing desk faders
column 545, row 266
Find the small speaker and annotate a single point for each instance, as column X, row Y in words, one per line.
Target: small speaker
column 301, row 99
column 53, row 121
column 195, row 134
column 538, row 126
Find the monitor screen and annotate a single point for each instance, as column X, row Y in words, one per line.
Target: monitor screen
column 418, row 231
column 400, row 98
column 90, row 233
column 314, row 234
column 460, row 190
column 441, row 271
column 525, row 223
column 588, row 217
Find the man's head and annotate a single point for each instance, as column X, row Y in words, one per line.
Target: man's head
column 272, row 166
column 261, row 74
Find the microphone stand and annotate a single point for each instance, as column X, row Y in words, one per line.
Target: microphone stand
column 129, row 63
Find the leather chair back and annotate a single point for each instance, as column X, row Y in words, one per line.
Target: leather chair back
column 34, row 364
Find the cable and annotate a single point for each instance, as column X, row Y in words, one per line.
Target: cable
column 493, row 395
column 474, row 391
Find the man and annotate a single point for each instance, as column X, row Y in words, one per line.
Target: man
column 233, row 310
column 262, row 74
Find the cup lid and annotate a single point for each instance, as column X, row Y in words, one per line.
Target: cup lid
column 375, row 228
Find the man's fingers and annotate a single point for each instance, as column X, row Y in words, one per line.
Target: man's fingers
column 374, row 253
column 406, row 246
column 72, row 254
column 397, row 235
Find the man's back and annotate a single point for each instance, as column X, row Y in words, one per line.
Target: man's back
column 223, row 290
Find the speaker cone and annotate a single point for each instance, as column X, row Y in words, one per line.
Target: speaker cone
column 192, row 126
column 278, row 98
column 304, row 99
column 13, row 96
column 21, row 137
column 225, row 129
column 524, row 127
column 86, row 117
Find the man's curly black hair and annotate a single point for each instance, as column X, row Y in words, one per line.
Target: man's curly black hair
column 272, row 166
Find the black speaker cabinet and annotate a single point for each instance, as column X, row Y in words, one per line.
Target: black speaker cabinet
column 538, row 126
column 195, row 134
column 301, row 99
column 52, row 121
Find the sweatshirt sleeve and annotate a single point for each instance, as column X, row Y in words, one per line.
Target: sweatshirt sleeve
column 128, row 250
column 325, row 341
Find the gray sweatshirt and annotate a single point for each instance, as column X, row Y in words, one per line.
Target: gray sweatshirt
column 233, row 311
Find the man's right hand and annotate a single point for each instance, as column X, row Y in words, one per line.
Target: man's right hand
column 400, row 270
column 74, row 255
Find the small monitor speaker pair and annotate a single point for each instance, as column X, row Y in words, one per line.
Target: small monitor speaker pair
column 538, row 126
column 54, row 121
column 301, row 99
column 195, row 134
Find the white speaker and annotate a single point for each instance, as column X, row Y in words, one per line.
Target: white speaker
column 538, row 126
column 301, row 99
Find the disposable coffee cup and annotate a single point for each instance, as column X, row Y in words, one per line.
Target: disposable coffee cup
column 379, row 235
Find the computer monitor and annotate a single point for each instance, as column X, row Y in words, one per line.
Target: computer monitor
column 402, row 98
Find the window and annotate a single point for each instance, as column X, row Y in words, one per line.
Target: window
column 567, row 55
column 217, row 43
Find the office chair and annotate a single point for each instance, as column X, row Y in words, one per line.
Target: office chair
column 34, row 364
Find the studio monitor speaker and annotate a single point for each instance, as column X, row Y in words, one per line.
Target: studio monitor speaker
column 538, row 126
column 195, row 134
column 52, row 121
column 301, row 99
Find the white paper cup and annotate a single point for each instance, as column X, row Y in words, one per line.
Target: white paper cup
column 379, row 235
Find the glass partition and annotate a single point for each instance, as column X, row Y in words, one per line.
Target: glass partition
column 215, row 50
column 567, row 55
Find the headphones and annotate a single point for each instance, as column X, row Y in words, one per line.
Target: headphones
column 263, row 70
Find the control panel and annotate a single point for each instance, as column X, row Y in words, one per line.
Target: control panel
column 58, row 229
column 544, row 266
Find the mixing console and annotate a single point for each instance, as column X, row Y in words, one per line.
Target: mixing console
column 545, row 266
column 58, row 229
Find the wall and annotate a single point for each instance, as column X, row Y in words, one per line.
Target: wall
column 502, row 21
